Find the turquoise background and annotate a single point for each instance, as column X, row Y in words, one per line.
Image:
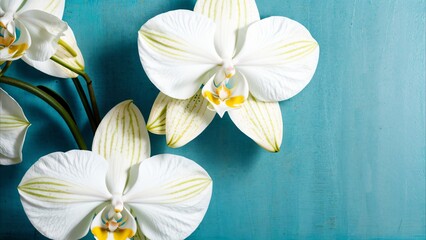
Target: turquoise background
column 352, row 164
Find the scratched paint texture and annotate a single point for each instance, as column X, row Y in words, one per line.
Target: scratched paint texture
column 352, row 163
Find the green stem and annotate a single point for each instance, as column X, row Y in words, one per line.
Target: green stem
column 53, row 103
column 85, row 103
column 6, row 66
column 92, row 98
column 88, row 83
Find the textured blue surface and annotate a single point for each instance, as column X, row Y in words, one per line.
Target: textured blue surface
column 352, row 163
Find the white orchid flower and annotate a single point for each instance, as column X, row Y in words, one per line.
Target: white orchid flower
column 67, row 51
column 245, row 65
column 26, row 28
column 117, row 188
column 13, row 128
column 47, row 34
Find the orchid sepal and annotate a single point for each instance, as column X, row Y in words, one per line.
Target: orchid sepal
column 186, row 119
column 261, row 121
column 13, row 129
column 157, row 118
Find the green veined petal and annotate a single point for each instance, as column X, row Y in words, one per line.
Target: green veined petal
column 186, row 119
column 261, row 121
column 123, row 141
column 157, row 118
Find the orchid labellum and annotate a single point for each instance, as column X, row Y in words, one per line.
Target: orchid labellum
column 13, row 128
column 243, row 64
column 116, row 190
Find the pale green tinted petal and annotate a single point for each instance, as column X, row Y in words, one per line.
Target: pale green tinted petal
column 170, row 196
column 232, row 18
column 10, row 5
column 176, row 48
column 44, row 30
column 261, row 121
column 55, row 7
column 68, row 52
column 13, row 128
column 61, row 191
column 157, row 118
column 186, row 119
column 279, row 58
column 123, row 141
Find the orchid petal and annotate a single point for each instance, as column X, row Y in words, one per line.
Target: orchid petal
column 279, row 58
column 123, row 141
column 261, row 121
column 61, row 191
column 186, row 119
column 170, row 197
column 54, row 7
column 157, row 118
column 44, row 30
column 232, row 18
column 176, row 48
column 10, row 5
column 13, row 128
column 68, row 52
column 139, row 234
column 227, row 94
column 125, row 225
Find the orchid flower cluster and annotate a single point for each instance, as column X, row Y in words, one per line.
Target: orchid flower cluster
column 220, row 58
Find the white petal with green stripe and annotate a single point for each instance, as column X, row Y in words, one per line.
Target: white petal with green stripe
column 61, row 191
column 232, row 17
column 13, row 128
column 176, row 48
column 261, row 121
column 67, row 52
column 157, row 118
column 278, row 58
column 186, row 119
column 123, row 141
column 170, row 197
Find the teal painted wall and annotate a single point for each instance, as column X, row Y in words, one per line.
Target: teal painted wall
column 352, row 163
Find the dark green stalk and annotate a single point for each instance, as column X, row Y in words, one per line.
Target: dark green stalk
column 85, row 103
column 88, row 83
column 52, row 102
column 6, row 66
column 92, row 98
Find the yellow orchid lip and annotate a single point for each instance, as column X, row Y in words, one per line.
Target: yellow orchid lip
column 18, row 50
column 223, row 94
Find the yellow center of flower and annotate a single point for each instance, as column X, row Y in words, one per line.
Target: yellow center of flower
column 8, row 38
column 113, row 222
